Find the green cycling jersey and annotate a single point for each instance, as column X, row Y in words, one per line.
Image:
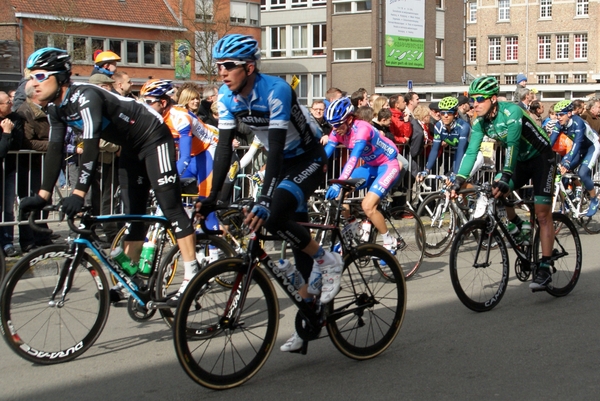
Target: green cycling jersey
column 514, row 129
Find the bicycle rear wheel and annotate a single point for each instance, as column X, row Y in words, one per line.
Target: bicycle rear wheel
column 567, row 255
column 2, row 266
column 365, row 317
column 214, row 350
column 209, row 248
column 404, row 225
column 46, row 334
column 479, row 266
column 439, row 222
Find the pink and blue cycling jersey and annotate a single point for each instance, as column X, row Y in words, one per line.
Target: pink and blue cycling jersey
column 367, row 143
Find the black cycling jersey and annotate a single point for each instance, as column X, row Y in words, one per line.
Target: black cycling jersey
column 98, row 113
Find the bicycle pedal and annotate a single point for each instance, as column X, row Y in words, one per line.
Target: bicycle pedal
column 159, row 305
column 538, row 289
column 302, row 350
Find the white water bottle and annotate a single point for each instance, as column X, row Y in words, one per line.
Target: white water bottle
column 366, row 231
column 292, row 274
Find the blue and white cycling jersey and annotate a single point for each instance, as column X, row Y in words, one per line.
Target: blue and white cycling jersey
column 272, row 104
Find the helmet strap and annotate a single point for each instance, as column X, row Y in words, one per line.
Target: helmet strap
column 244, row 82
column 493, row 111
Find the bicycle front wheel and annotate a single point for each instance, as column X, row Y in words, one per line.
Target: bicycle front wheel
column 365, row 317
column 439, row 222
column 479, row 266
column 567, row 256
column 45, row 332
column 404, row 225
column 217, row 351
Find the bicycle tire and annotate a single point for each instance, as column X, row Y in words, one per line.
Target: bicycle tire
column 200, row 328
column 567, row 249
column 591, row 225
column 171, row 268
column 479, row 288
column 404, row 225
column 170, row 242
column 2, row 266
column 48, row 335
column 365, row 317
column 439, row 230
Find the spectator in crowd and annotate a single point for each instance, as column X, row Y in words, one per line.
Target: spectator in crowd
column 412, row 101
column 421, row 136
column 317, row 110
column 434, row 114
column 523, row 98
column 102, row 81
column 359, row 98
column 578, row 107
column 11, row 126
column 209, row 96
column 382, row 102
column 400, row 126
column 190, row 99
column 591, row 114
column 331, row 95
column 122, row 84
column 382, row 122
column 105, row 63
column 463, row 108
column 364, row 113
column 36, row 133
column 11, row 95
column 20, row 96
column 372, row 98
column 550, row 121
column 521, row 83
column 536, row 110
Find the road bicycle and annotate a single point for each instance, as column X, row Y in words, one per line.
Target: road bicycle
column 575, row 205
column 224, row 334
column 55, row 301
column 479, row 262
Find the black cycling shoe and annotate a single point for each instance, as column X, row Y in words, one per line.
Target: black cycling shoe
column 541, row 280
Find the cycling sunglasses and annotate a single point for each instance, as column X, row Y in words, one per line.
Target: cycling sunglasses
column 149, row 102
column 42, row 76
column 338, row 125
column 230, row 65
column 561, row 113
column 447, row 112
column 478, row 99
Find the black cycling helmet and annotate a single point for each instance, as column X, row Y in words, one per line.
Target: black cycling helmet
column 51, row 59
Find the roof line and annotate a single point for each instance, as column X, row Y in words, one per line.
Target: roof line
column 101, row 22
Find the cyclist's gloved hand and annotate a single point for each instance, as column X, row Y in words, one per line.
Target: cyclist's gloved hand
column 333, row 191
column 72, row 205
column 457, row 184
column 32, row 203
column 421, row 176
column 452, row 178
column 261, row 207
column 503, row 183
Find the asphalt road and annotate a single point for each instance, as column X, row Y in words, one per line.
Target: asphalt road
column 530, row 347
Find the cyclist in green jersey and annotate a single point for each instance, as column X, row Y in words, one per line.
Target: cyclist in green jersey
column 528, row 155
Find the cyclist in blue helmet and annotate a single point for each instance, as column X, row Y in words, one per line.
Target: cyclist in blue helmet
column 296, row 161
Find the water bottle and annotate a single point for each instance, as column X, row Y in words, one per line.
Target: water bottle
column 366, row 231
column 292, row 274
column 350, row 229
column 525, row 232
column 578, row 193
column 513, row 230
column 213, row 253
column 123, row 261
column 315, row 281
column 146, row 257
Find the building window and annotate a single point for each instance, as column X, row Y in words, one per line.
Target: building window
column 79, row 52
column 543, row 78
column 472, row 50
column 204, row 10
column 494, row 49
column 205, row 41
column 352, row 55
column 512, row 48
column 582, row 8
column 302, row 89
column 59, row 41
column 149, row 53
column 561, row 78
column 581, row 46
column 165, row 52
column 439, row 48
column 342, row 7
column 562, row 47
column 580, row 78
column 276, row 4
column 319, row 86
column 319, row 38
column 318, row 3
column 439, row 4
column 510, row 79
column 299, row 3
column 544, row 47
column 472, row 12
column 503, row 10
column 545, row 8
column 278, row 41
column 299, row 40
column 117, row 47
column 133, row 52
column 98, row 44
column 244, row 13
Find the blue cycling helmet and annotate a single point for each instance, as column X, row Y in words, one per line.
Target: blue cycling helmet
column 236, row 47
column 49, row 59
column 157, row 88
column 339, row 110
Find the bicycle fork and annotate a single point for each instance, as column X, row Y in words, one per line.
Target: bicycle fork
column 65, row 278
